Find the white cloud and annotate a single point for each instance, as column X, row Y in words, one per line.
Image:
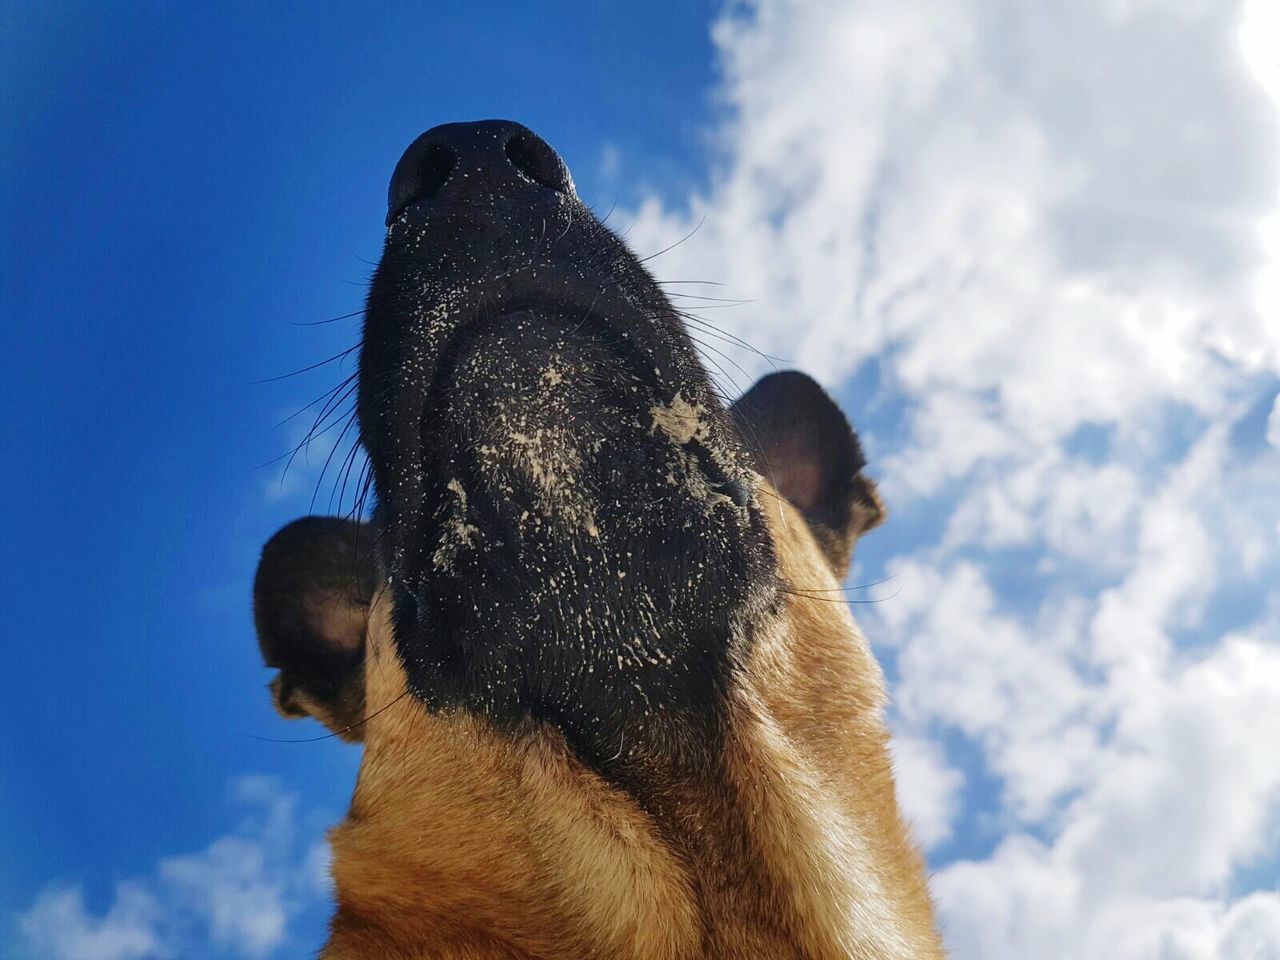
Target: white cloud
column 928, row 788
column 1069, row 219
column 235, row 897
column 1040, row 219
column 1014, row 690
column 1022, row 903
column 58, row 925
column 1148, row 768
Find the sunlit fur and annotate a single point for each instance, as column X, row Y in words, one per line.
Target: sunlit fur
column 464, row 841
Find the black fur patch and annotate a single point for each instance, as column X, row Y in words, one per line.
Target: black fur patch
column 565, row 514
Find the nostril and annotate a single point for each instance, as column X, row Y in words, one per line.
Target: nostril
column 434, row 169
column 422, row 180
column 535, row 159
column 467, row 163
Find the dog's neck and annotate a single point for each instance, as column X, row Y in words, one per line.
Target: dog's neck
column 787, row 844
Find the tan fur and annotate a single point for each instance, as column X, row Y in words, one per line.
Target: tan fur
column 464, row 842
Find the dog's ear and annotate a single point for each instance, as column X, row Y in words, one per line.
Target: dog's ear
column 805, row 446
column 311, row 598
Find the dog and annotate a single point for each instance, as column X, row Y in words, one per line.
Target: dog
column 592, row 639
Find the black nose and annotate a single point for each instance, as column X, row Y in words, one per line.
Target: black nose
column 475, row 161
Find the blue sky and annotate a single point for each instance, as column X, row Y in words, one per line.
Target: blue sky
column 179, row 189
column 1046, row 286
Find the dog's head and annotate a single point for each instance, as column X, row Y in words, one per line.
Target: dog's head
column 570, row 525
column 592, row 636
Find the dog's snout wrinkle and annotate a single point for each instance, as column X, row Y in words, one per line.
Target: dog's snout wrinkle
column 462, row 162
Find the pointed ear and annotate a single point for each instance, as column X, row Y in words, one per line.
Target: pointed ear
column 311, row 598
column 806, row 448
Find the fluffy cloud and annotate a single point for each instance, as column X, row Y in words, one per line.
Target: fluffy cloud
column 234, row 898
column 928, row 787
column 1050, row 231
column 1023, row 902
column 59, row 926
column 1038, row 216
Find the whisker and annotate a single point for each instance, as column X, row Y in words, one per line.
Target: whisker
column 811, row 596
column 351, row 419
column 321, row 323
column 709, row 327
column 694, row 296
column 328, row 393
column 330, row 736
column 305, row 444
column 677, row 243
column 315, row 366
column 721, row 353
